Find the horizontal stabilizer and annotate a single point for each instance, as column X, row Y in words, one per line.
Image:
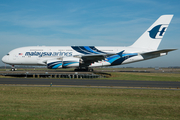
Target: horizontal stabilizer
column 158, row 51
column 154, row 54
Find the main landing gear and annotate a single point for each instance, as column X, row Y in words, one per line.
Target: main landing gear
column 84, row 69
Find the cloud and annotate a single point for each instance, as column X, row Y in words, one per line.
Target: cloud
column 31, row 21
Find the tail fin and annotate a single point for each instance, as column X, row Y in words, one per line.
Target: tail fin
column 152, row 37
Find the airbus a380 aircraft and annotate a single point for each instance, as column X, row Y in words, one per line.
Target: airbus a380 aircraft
column 87, row 57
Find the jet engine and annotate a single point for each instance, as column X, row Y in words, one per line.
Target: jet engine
column 66, row 62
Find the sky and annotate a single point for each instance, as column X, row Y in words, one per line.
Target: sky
column 87, row 22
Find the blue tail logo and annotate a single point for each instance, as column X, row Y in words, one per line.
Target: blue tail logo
column 154, row 31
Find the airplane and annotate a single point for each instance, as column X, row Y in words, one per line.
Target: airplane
column 85, row 58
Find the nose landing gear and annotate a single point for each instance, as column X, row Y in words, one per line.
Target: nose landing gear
column 13, row 68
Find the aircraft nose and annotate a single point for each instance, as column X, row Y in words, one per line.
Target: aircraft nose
column 4, row 59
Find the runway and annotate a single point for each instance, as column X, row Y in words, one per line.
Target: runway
column 90, row 83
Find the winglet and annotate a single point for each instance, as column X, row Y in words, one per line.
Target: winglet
column 120, row 53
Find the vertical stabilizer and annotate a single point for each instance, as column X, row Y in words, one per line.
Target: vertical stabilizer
column 152, row 37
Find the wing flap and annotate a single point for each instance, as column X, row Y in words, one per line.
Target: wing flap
column 94, row 56
column 87, row 59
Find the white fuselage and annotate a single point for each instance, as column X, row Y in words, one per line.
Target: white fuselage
column 38, row 55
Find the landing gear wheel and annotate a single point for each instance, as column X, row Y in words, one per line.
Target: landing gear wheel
column 84, row 70
column 13, row 69
column 90, row 70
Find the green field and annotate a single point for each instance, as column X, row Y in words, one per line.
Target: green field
column 144, row 76
column 88, row 103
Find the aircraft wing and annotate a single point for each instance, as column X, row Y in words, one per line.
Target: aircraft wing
column 87, row 59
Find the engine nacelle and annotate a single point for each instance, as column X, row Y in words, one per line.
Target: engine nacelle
column 66, row 62
column 54, row 64
column 70, row 62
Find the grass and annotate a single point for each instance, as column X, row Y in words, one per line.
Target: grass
column 144, row 76
column 88, row 103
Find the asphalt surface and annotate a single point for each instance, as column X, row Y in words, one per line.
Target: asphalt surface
column 89, row 82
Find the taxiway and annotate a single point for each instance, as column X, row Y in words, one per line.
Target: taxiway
column 90, row 82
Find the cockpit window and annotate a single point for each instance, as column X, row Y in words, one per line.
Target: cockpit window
column 8, row 54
